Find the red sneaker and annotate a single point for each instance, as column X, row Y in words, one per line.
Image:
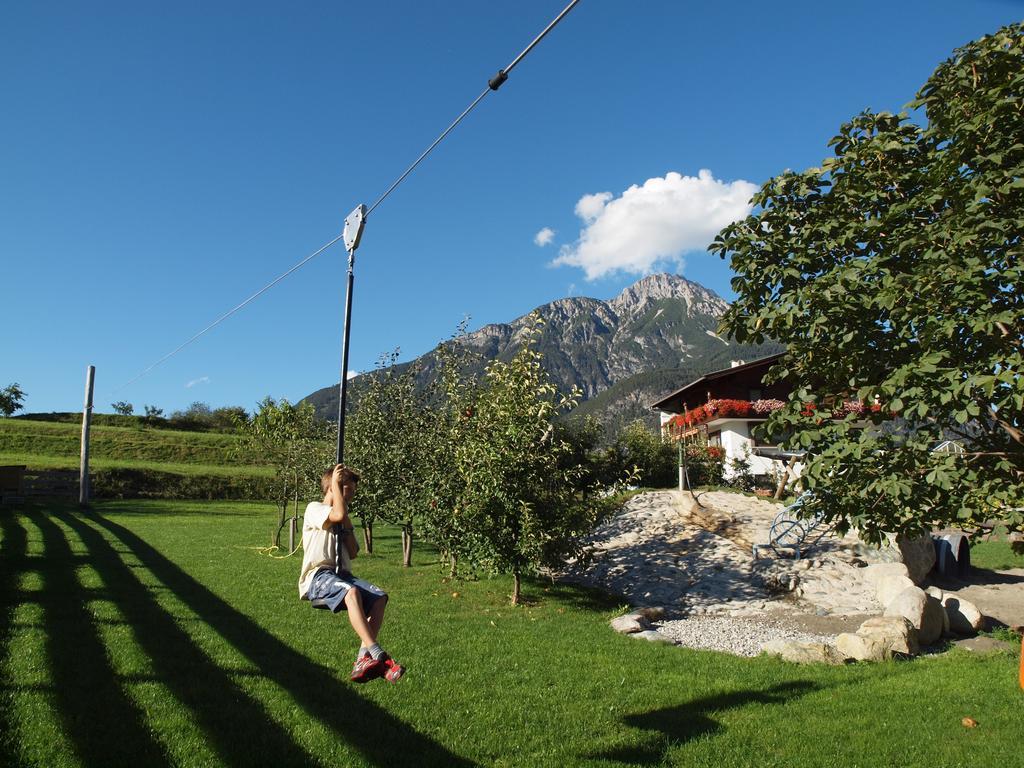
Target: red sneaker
column 366, row 669
column 394, row 670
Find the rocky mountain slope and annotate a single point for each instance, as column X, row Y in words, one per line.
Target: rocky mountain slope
column 654, row 337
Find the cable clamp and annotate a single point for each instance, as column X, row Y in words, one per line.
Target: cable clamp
column 495, row 82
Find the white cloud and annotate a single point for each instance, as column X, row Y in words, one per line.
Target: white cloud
column 200, row 380
column 544, row 237
column 654, row 223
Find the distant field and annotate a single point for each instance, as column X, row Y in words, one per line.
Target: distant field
column 57, row 440
column 128, row 462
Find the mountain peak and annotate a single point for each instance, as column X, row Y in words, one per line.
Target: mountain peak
column 698, row 299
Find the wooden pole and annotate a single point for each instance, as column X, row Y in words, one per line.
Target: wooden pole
column 83, row 470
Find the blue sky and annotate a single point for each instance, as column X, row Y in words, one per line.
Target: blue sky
column 161, row 162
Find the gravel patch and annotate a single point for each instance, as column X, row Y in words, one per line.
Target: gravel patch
column 742, row 637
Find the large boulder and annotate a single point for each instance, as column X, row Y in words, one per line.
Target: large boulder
column 964, row 616
column 630, row 623
column 894, row 631
column 888, row 579
column 918, row 554
column 802, row 653
column 938, row 595
column 860, row 648
column 923, row 611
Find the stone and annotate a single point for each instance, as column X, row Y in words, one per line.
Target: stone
column 918, row 554
column 802, row 653
column 630, row 623
column 888, row 579
column 861, row 648
column 888, row 588
column 877, row 571
column 937, row 594
column 653, row 637
column 652, row 613
column 920, row 609
column 964, row 616
column 894, row 631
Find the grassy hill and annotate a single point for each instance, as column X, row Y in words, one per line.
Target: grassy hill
column 132, row 461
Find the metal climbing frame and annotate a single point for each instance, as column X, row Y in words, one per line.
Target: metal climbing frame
column 790, row 532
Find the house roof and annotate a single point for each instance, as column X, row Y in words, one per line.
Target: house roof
column 656, row 406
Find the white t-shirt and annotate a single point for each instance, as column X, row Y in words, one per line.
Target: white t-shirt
column 317, row 545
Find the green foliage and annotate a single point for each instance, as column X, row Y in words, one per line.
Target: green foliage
column 704, row 465
column 200, row 417
column 387, row 441
column 894, row 275
column 138, row 483
column 525, row 507
column 656, row 462
column 122, row 408
column 453, row 396
column 738, row 473
column 291, row 440
column 11, row 398
column 153, row 414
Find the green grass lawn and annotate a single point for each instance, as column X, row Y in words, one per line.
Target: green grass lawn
column 995, row 555
column 159, row 633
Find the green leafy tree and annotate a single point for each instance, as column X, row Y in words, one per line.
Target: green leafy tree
column 123, row 408
column 524, row 508
column 452, row 400
column 153, row 414
column 656, row 462
column 894, row 273
column 11, row 399
column 386, row 443
column 291, row 440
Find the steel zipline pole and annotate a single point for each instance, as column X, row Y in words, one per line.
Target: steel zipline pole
column 343, row 386
column 353, row 231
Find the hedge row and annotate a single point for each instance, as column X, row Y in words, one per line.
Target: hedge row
column 121, row 483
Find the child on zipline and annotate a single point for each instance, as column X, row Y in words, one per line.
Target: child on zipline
column 341, row 591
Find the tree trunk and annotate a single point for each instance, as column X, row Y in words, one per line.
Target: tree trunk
column 453, row 563
column 785, row 477
column 368, row 537
column 516, row 587
column 406, row 546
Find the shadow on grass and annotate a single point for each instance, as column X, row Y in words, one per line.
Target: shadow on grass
column 239, row 729
column 13, row 551
column 379, row 736
column 679, row 724
column 580, row 596
column 104, row 725
column 208, row 509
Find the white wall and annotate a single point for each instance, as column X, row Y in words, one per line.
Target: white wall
column 737, row 443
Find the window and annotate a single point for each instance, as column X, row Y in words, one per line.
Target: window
column 756, row 394
column 715, row 439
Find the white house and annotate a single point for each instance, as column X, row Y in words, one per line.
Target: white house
column 721, row 409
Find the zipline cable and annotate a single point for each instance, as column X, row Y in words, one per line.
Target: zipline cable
column 492, row 85
column 230, row 312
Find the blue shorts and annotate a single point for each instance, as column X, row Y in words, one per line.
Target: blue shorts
column 329, row 590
